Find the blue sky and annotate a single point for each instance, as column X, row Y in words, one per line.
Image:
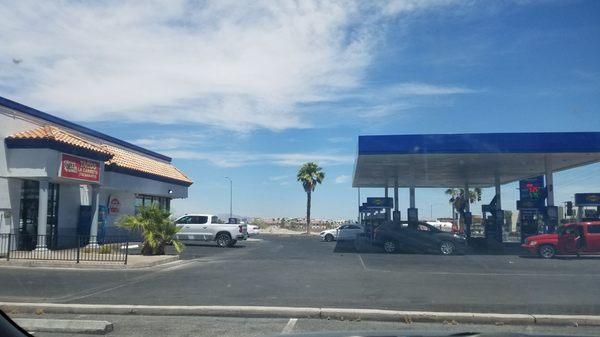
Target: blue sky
column 250, row 90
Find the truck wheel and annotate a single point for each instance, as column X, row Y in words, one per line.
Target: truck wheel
column 547, row 251
column 232, row 243
column 328, row 237
column 390, row 246
column 447, row 248
column 223, row 240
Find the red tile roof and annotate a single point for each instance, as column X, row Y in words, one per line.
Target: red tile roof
column 119, row 157
column 52, row 133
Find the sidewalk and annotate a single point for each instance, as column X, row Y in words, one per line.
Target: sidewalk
column 303, row 312
column 133, row 262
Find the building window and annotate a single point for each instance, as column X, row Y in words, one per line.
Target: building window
column 147, row 200
column 52, row 219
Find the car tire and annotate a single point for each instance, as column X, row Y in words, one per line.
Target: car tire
column 447, row 248
column 223, row 240
column 547, row 251
column 232, row 243
column 328, row 238
column 390, row 246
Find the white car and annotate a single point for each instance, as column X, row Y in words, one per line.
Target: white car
column 205, row 227
column 343, row 232
column 253, row 230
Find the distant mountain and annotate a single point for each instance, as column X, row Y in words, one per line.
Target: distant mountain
column 225, row 216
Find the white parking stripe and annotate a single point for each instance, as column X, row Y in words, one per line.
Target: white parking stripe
column 362, row 262
column 289, row 327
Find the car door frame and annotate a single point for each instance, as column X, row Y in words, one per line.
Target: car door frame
column 592, row 240
column 566, row 240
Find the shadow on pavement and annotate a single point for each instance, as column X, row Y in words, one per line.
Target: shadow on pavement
column 476, row 247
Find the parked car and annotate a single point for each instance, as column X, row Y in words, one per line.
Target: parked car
column 570, row 239
column 421, row 237
column 205, row 227
column 253, row 230
column 343, row 232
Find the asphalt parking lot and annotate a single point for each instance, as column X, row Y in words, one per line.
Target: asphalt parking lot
column 296, row 270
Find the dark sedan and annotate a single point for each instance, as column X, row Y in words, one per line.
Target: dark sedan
column 420, row 237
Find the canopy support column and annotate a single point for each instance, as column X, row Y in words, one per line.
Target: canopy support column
column 412, row 197
column 498, row 194
column 387, row 210
column 396, row 201
column 549, row 181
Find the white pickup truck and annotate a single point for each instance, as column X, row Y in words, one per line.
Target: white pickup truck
column 205, row 227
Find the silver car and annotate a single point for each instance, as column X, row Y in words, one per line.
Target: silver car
column 343, row 232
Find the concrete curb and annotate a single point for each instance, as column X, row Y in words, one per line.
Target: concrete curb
column 293, row 312
column 84, row 265
column 65, row 325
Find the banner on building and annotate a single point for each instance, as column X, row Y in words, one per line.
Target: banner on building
column 73, row 167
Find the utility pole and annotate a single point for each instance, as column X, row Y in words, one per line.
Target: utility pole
column 230, row 197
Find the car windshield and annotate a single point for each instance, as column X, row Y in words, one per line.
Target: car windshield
column 290, row 167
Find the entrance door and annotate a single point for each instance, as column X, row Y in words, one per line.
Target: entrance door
column 28, row 221
column 567, row 240
column 52, row 219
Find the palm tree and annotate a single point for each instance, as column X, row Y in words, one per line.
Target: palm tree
column 457, row 198
column 310, row 174
column 157, row 229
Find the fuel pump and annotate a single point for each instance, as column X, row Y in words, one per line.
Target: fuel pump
column 493, row 223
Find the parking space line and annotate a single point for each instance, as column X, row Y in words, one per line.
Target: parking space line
column 362, row 262
column 289, row 327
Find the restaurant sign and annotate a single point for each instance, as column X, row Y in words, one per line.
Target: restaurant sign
column 73, row 167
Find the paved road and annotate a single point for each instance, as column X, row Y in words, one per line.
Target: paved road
column 301, row 271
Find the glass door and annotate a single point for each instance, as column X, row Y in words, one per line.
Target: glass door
column 27, row 237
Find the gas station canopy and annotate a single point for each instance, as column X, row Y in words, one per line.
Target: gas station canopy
column 453, row 160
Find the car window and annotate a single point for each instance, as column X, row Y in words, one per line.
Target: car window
column 214, row 219
column 201, row 219
column 185, row 219
column 594, row 229
column 423, row 228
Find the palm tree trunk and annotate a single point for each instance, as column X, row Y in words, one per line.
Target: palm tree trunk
column 308, row 212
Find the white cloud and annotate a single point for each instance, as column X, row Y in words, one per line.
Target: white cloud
column 423, row 89
column 237, row 159
column 224, row 63
column 342, row 179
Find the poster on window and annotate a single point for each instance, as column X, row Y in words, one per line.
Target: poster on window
column 73, row 167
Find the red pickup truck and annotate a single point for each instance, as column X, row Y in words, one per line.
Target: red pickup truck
column 570, row 239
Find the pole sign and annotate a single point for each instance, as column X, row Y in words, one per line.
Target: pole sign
column 587, row 199
column 531, row 193
column 373, row 202
column 73, row 167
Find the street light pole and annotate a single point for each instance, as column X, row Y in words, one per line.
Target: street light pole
column 230, row 197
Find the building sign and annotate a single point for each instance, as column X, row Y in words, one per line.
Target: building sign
column 587, row 199
column 380, row 202
column 73, row 167
column 114, row 205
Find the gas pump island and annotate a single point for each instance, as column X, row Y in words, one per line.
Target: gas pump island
column 472, row 160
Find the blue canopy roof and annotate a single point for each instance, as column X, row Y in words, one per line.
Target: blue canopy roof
column 450, row 160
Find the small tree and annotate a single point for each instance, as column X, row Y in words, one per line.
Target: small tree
column 457, row 200
column 157, row 229
column 310, row 174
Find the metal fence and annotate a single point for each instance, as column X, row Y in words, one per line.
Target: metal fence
column 64, row 248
